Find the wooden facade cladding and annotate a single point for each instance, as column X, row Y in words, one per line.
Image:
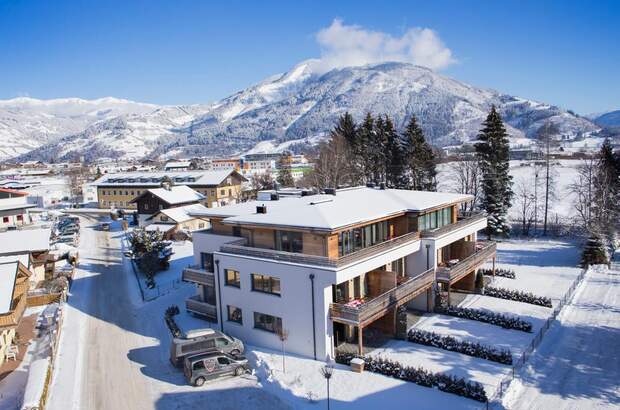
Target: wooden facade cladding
column 484, row 251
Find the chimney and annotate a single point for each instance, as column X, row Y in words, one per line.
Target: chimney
column 261, row 209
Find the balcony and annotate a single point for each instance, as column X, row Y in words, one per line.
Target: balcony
column 195, row 304
column 484, row 251
column 464, row 220
column 12, row 317
column 376, row 307
column 322, row 260
column 196, row 274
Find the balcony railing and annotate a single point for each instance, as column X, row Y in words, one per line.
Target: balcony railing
column 196, row 305
column 196, row 274
column 322, row 260
column 13, row 317
column 484, row 251
column 463, row 221
column 378, row 306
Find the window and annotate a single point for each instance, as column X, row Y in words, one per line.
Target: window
column 355, row 239
column 20, row 217
column 5, row 219
column 236, row 231
column 126, row 192
column 230, row 192
column 213, row 192
column 199, row 365
column 289, row 241
column 164, row 218
column 114, row 192
column 265, row 283
column 232, row 278
column 267, row 322
column 223, row 192
column 221, row 342
column 223, row 361
column 201, row 225
column 206, row 261
column 436, row 219
column 146, row 207
column 235, row 314
column 132, row 193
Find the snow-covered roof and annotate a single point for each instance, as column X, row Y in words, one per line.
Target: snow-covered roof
column 154, row 179
column 178, row 164
column 8, row 274
column 176, row 194
column 24, row 258
column 159, row 227
column 25, row 240
column 329, row 212
column 181, row 214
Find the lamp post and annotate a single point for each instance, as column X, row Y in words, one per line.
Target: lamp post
column 327, row 372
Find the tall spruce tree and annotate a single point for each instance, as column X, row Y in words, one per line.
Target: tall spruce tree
column 419, row 160
column 493, row 153
column 606, row 198
column 395, row 157
column 349, row 132
column 377, row 148
column 365, row 140
column 285, row 177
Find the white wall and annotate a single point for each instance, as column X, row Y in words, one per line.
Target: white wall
column 294, row 305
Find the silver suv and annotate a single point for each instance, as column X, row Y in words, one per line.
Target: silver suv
column 201, row 341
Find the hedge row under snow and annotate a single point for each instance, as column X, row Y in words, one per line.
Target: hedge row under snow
column 444, row 382
column 170, row 322
column 497, row 319
column 460, row 346
column 516, row 295
column 501, row 272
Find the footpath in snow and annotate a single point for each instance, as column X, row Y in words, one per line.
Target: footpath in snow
column 577, row 366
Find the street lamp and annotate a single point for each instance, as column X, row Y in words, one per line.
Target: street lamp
column 327, row 372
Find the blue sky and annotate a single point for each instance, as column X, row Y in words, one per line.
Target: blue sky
column 177, row 52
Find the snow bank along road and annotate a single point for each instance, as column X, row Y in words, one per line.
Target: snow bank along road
column 577, row 366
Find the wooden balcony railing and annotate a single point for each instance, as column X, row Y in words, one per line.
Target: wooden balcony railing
column 322, row 260
column 378, row 306
column 463, row 221
column 13, row 317
column 484, row 251
column 198, row 306
column 196, row 274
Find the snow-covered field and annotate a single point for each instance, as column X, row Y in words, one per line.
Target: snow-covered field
column 563, row 173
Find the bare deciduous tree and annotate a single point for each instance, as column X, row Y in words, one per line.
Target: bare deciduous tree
column 525, row 201
column 333, row 167
column 466, row 176
column 583, row 190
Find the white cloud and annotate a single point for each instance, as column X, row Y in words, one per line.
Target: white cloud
column 350, row 45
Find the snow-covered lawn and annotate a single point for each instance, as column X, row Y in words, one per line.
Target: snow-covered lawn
column 577, row 366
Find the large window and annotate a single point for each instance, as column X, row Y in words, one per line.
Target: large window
column 436, row 219
column 267, row 284
column 355, row 239
column 267, row 322
column 206, row 261
column 232, row 278
column 289, row 241
column 235, row 314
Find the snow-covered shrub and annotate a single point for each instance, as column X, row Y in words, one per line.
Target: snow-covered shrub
column 594, row 252
column 420, row 376
column 497, row 319
column 171, row 311
column 460, row 346
column 501, row 272
column 517, row 295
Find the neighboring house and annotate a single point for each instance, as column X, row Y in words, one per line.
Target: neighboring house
column 154, row 200
column 180, row 166
column 328, row 267
column 179, row 218
column 31, row 248
column 89, row 192
column 119, row 190
column 14, row 209
column 226, row 164
column 13, row 293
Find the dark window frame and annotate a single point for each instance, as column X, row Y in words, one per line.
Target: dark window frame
column 266, row 289
column 230, row 314
column 232, row 283
column 273, row 327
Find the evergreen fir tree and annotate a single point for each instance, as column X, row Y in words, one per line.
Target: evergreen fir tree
column 348, row 131
column 594, row 252
column 377, row 147
column 493, row 153
column 365, row 138
column 285, row 177
column 395, row 158
column 419, row 158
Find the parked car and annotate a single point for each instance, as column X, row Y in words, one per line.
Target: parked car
column 211, row 366
column 104, row 226
column 201, row 341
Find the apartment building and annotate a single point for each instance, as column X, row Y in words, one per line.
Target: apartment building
column 13, row 293
column 14, row 209
column 329, row 267
column 119, row 190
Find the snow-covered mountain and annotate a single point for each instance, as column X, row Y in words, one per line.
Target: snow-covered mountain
column 303, row 104
column 607, row 119
column 27, row 123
